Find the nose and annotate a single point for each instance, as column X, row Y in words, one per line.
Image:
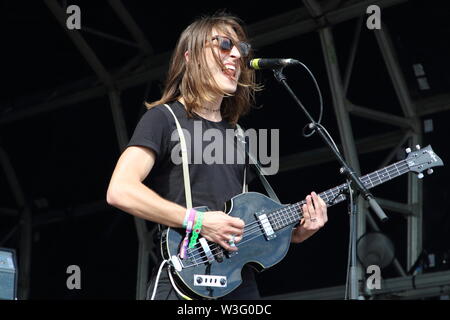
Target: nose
column 235, row 53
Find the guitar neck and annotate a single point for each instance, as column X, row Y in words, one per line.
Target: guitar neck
column 292, row 214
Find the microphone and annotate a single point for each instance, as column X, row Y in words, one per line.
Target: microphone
column 260, row 63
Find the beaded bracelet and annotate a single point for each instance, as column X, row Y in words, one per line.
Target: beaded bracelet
column 197, row 228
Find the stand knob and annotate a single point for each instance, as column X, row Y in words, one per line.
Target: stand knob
column 408, row 150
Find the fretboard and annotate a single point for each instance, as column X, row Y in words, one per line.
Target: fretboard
column 291, row 214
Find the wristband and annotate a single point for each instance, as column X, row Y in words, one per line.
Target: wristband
column 197, row 228
column 190, row 222
column 187, row 217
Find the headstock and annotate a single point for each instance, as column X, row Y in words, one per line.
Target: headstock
column 422, row 159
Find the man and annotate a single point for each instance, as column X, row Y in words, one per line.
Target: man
column 208, row 83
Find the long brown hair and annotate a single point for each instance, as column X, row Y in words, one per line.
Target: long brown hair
column 193, row 81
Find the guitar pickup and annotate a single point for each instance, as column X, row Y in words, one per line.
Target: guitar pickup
column 267, row 227
column 210, row 281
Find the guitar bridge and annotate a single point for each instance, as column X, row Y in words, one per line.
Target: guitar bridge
column 267, row 227
column 206, row 250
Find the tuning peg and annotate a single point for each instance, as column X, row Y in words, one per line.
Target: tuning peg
column 408, row 150
column 420, row 175
column 418, row 147
column 430, row 171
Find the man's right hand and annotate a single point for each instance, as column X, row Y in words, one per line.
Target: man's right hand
column 220, row 228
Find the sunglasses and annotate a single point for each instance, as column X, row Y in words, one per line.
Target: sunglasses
column 226, row 44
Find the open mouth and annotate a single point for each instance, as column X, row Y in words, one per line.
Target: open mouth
column 230, row 71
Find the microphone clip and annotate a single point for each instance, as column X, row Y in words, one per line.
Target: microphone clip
column 278, row 73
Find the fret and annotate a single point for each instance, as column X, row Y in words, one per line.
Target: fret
column 328, row 197
column 366, row 183
column 292, row 214
column 297, row 210
column 374, row 179
column 278, row 220
column 287, row 216
column 381, row 177
column 386, row 173
column 281, row 217
column 389, row 176
column 370, row 181
column 332, row 194
column 378, row 179
column 274, row 220
column 378, row 175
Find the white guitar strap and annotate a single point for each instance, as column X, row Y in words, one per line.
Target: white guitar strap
column 241, row 139
column 184, row 157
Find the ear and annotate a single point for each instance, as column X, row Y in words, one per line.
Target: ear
column 186, row 56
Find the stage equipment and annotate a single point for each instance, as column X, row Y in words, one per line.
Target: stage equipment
column 8, row 274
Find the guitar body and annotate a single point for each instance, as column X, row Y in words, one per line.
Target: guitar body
column 254, row 250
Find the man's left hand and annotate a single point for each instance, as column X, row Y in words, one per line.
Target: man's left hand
column 314, row 218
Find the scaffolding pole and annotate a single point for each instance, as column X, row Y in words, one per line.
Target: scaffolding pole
column 120, row 127
column 345, row 130
column 414, row 221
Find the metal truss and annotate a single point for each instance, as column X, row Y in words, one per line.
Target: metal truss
column 147, row 66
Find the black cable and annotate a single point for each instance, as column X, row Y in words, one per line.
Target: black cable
column 308, row 126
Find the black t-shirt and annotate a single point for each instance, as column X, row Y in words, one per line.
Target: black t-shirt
column 212, row 182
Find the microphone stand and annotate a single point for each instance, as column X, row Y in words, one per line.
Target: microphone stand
column 355, row 183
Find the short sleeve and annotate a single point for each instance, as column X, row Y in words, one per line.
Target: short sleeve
column 152, row 131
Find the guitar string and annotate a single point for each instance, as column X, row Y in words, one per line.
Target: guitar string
column 276, row 214
column 286, row 209
column 324, row 195
column 279, row 214
column 196, row 252
column 217, row 249
column 333, row 193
